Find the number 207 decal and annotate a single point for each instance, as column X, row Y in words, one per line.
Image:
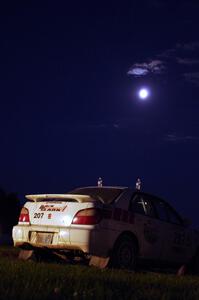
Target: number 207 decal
column 38, row 215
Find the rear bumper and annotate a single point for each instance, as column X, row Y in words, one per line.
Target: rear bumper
column 88, row 239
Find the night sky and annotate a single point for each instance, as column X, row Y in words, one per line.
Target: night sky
column 70, row 72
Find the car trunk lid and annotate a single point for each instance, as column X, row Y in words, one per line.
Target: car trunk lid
column 56, row 210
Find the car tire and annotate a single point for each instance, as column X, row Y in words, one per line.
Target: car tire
column 124, row 255
column 195, row 263
column 191, row 267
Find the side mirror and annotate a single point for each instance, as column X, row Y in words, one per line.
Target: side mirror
column 187, row 222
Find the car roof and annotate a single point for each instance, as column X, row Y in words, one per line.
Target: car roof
column 102, row 187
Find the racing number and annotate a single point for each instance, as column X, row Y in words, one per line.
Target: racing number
column 38, row 215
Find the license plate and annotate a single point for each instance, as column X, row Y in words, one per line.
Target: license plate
column 41, row 238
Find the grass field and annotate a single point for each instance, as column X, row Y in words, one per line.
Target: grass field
column 30, row 280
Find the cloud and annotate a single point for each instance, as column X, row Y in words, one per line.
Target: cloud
column 100, row 126
column 158, row 3
column 192, row 46
column 181, row 52
column 175, row 138
column 192, row 78
column 180, row 59
column 142, row 69
column 138, row 70
column 187, row 61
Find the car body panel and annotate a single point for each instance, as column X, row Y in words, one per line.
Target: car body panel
column 54, row 213
column 130, row 212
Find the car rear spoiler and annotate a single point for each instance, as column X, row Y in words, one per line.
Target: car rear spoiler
column 60, row 197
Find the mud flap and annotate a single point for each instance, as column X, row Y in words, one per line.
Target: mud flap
column 182, row 271
column 191, row 267
column 100, row 262
column 25, row 254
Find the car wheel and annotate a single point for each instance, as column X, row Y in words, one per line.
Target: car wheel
column 195, row 264
column 124, row 253
column 191, row 267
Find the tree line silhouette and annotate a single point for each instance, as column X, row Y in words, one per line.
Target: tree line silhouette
column 9, row 212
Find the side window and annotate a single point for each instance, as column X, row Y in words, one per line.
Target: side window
column 161, row 210
column 173, row 216
column 141, row 205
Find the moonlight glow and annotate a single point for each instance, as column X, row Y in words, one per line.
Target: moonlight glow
column 143, row 93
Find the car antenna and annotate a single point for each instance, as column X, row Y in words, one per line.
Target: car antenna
column 138, row 184
column 99, row 182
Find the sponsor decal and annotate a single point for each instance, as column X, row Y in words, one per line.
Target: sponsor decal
column 52, row 207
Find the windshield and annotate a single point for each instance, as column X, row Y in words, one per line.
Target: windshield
column 106, row 195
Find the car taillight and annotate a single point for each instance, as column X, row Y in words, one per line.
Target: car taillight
column 24, row 216
column 89, row 216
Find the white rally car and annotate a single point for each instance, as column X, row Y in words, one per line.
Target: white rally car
column 115, row 225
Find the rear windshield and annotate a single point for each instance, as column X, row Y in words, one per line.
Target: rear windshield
column 106, row 195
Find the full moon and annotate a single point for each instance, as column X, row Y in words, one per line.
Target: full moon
column 143, row 93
